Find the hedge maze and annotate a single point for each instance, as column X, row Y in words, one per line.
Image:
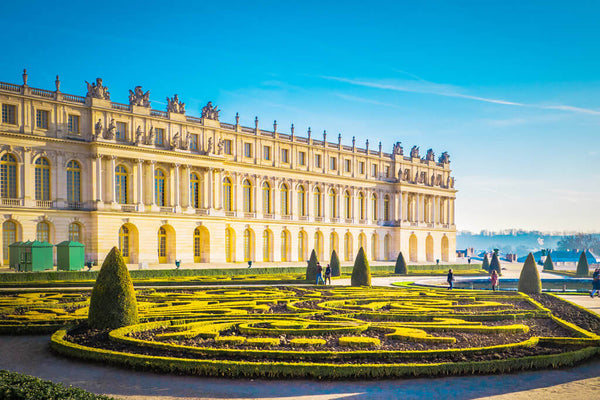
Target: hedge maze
column 314, row 332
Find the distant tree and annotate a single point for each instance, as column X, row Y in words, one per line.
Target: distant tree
column 529, row 281
column 311, row 268
column 361, row 273
column 580, row 242
column 583, row 268
column 401, row 265
column 495, row 264
column 548, row 264
column 334, row 263
column 486, row 263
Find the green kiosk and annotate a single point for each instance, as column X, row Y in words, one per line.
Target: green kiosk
column 70, row 256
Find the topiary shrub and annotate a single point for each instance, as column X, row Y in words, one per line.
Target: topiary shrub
column 548, row 264
column 495, row 264
column 361, row 273
column 334, row 263
column 529, row 281
column 113, row 304
column 583, row 269
column 401, row 265
column 486, row 263
column 311, row 269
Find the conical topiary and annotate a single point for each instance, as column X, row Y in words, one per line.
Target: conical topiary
column 113, row 304
column 334, row 263
column 495, row 264
column 401, row 265
column 583, row 269
column 311, row 269
column 529, row 281
column 361, row 273
column 486, row 263
column 548, row 264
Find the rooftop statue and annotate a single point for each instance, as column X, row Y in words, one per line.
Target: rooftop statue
column 220, row 145
column 139, row 136
column 175, row 106
column 414, row 152
column 137, row 97
column 98, row 129
column 444, row 158
column 97, row 90
column 112, row 130
column 210, row 112
column 150, row 137
column 430, row 155
column 398, row 150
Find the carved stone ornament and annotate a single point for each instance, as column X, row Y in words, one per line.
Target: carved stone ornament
column 185, row 143
column 174, row 105
column 175, row 142
column 398, row 150
column 150, row 137
column 98, row 129
column 430, row 155
column 444, row 158
column 414, row 152
column 220, row 146
column 112, row 130
column 209, row 147
column 97, row 90
column 139, row 136
column 137, row 97
column 210, row 112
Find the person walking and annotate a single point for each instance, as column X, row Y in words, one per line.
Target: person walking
column 494, row 280
column 595, row 283
column 328, row 274
column 450, row 279
column 320, row 274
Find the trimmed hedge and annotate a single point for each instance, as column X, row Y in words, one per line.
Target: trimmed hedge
column 311, row 268
column 529, row 280
column 495, row 264
column 583, row 268
column 400, row 265
column 486, row 263
column 548, row 264
column 361, row 273
column 334, row 263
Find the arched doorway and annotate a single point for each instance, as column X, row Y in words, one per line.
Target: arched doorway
column 166, row 244
column 362, row 242
column 128, row 243
column 429, row 248
column 285, row 246
column 201, row 245
column 319, row 245
column 10, row 234
column 375, row 247
column 302, row 246
column 229, row 245
column 248, row 245
column 348, row 254
column 334, row 243
column 267, row 245
column 387, row 248
column 412, row 248
column 445, row 255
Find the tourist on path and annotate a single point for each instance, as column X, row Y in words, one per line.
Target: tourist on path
column 328, row 274
column 595, row 283
column 450, row 279
column 494, row 279
column 320, row 274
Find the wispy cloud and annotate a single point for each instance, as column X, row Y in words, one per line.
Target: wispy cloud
column 422, row 86
column 365, row 100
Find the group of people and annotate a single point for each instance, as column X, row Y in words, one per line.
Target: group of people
column 595, row 283
column 494, row 280
column 320, row 274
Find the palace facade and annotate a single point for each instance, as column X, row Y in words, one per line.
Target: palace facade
column 163, row 185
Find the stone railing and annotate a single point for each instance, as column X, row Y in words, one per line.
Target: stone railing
column 10, row 87
column 43, row 203
column 11, row 202
column 286, row 217
column 120, row 106
column 202, row 211
column 189, row 118
column 230, row 213
column 269, row 216
column 75, row 205
column 129, row 207
column 249, row 215
column 73, row 98
column 158, row 113
column 43, row 93
column 167, row 209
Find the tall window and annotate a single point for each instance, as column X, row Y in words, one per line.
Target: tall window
column 302, row 158
column 333, row 203
column 9, row 114
column 248, row 245
column 41, row 119
column 267, row 245
column 193, row 142
column 285, row 238
column 121, row 131
column 285, row 156
column 333, row 163
column 73, row 124
column 9, row 236
column 318, row 160
column 319, row 245
column 197, row 245
column 159, row 188
column 267, row 152
column 121, row 184
column 301, row 201
column 285, row 200
column 229, row 242
column 386, row 246
column 227, row 147
column 227, row 195
column 374, row 206
column 347, row 164
column 247, row 190
column 75, row 232
column 194, row 190
column 266, row 189
column 348, row 247
column 159, row 138
column 8, row 176
column 43, row 232
column 73, row 182
column 124, row 242
column 302, row 239
column 162, row 245
column 248, row 150
column 361, row 167
column 42, row 179
column 348, row 204
column 386, row 208
column 361, row 205
column 318, row 203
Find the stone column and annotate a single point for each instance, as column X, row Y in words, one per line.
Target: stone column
column 210, row 186
column 434, row 210
column 111, row 180
column 292, row 202
column 218, row 190
column 258, row 198
column 61, row 181
column 140, row 184
column 98, row 198
column 186, row 201
column 177, row 187
column 152, row 165
column 452, row 211
column 417, row 208
column 238, row 196
column 277, row 205
column 26, row 179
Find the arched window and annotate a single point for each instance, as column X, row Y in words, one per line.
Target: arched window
column 266, row 189
column 9, row 236
column 124, row 242
column 227, row 195
column 201, row 245
column 121, row 185
column 374, row 207
column 75, row 232
column 229, row 244
column 197, row 247
column 162, row 245
column 285, row 244
column 159, row 188
column 386, row 208
column 361, row 205
column 362, row 241
column 267, row 245
column 347, row 204
column 375, row 247
column 301, row 201
column 8, row 177
column 319, row 245
column 248, row 245
column 386, row 246
column 73, row 182
column 43, row 232
column 348, row 246
column 333, row 206
column 194, row 190
column 318, row 203
column 42, row 179
column 302, row 246
column 285, row 200
column 333, row 243
column 247, row 190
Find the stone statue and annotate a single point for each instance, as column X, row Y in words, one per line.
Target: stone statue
column 112, row 130
column 398, row 150
column 150, row 137
column 210, row 112
column 97, row 90
column 98, row 129
column 175, row 106
column 139, row 136
column 175, row 143
column 430, row 155
column 414, row 152
column 137, row 97
column 209, row 147
column 444, row 158
column 220, row 146
column 185, row 145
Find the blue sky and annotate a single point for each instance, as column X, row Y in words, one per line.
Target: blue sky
column 509, row 88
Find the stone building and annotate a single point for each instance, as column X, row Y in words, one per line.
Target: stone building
column 163, row 185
